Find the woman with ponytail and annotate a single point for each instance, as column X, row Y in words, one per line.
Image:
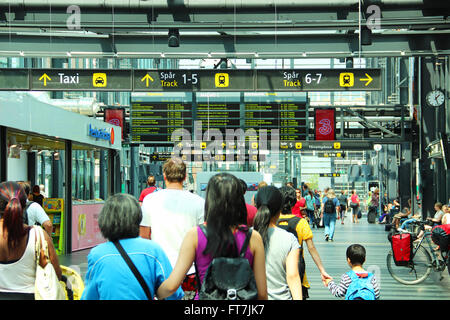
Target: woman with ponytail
column 17, row 246
column 281, row 247
column 225, row 220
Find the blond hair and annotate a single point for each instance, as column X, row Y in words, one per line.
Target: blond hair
column 331, row 193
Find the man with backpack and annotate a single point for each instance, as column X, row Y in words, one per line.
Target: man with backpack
column 356, row 284
column 33, row 213
column 330, row 204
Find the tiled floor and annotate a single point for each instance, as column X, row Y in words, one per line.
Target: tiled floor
column 371, row 236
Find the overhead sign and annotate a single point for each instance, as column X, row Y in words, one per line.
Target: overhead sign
column 326, row 146
column 329, row 175
column 191, row 80
column 332, row 154
column 80, row 80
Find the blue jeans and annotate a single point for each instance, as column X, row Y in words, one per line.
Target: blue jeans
column 310, row 216
column 329, row 221
column 406, row 223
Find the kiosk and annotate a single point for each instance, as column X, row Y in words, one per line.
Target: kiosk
column 75, row 157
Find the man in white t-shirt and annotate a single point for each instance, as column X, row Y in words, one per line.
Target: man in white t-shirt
column 35, row 214
column 167, row 215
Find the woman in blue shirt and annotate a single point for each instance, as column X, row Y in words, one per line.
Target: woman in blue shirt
column 310, row 207
column 108, row 276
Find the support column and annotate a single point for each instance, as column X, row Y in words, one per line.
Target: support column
column 434, row 186
column 134, row 171
column 103, row 175
column 68, row 197
column 3, row 154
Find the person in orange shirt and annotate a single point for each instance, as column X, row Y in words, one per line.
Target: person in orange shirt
column 302, row 231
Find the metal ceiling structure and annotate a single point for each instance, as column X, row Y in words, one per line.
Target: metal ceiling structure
column 224, row 29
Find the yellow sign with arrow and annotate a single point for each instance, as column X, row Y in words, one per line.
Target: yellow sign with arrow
column 146, row 78
column 368, row 80
column 46, row 78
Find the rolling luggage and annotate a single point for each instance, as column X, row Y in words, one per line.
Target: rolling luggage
column 372, row 215
column 318, row 222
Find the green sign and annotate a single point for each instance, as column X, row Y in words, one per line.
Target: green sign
column 326, row 146
column 211, row 80
column 193, row 80
column 14, row 79
column 81, row 80
column 318, row 80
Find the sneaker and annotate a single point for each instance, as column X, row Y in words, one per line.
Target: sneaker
column 327, row 237
column 331, row 240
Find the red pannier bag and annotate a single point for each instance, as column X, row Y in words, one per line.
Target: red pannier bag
column 402, row 245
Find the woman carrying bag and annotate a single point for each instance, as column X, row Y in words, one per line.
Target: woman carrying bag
column 18, row 262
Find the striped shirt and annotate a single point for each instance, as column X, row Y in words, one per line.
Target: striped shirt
column 340, row 290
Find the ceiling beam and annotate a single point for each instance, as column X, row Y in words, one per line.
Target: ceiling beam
column 220, row 46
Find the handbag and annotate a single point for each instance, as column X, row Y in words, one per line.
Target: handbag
column 133, row 268
column 47, row 285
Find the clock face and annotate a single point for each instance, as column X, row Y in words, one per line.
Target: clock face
column 435, row 98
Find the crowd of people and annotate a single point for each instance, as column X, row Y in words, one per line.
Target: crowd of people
column 188, row 235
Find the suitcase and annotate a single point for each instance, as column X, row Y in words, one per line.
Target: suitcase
column 372, row 215
column 317, row 220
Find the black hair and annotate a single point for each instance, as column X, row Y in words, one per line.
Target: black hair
column 268, row 200
column 120, row 217
column 357, row 254
column 224, row 208
column 244, row 186
column 289, row 199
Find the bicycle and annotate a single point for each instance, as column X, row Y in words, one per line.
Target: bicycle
column 423, row 259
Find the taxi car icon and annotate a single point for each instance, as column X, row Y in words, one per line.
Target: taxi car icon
column 99, row 80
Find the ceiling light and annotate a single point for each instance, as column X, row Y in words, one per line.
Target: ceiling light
column 174, row 38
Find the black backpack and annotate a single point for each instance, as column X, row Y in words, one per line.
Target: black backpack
column 229, row 278
column 329, row 206
column 290, row 227
column 25, row 213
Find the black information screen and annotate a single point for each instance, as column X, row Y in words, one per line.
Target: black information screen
column 156, row 121
column 288, row 117
column 218, row 115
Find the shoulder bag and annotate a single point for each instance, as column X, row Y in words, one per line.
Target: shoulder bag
column 133, row 268
column 47, row 285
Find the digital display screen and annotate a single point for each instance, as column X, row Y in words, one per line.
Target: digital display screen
column 218, row 115
column 289, row 118
column 156, row 121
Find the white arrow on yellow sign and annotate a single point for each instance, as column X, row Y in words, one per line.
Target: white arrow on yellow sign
column 45, row 77
column 146, row 78
column 368, row 79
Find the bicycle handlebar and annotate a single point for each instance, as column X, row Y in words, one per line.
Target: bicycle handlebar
column 423, row 223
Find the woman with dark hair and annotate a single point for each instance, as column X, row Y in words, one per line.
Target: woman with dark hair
column 225, row 217
column 17, row 246
column 281, row 247
column 36, row 195
column 108, row 276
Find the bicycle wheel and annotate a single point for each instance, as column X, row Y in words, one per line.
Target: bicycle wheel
column 415, row 272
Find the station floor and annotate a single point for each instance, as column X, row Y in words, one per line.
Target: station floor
column 371, row 236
